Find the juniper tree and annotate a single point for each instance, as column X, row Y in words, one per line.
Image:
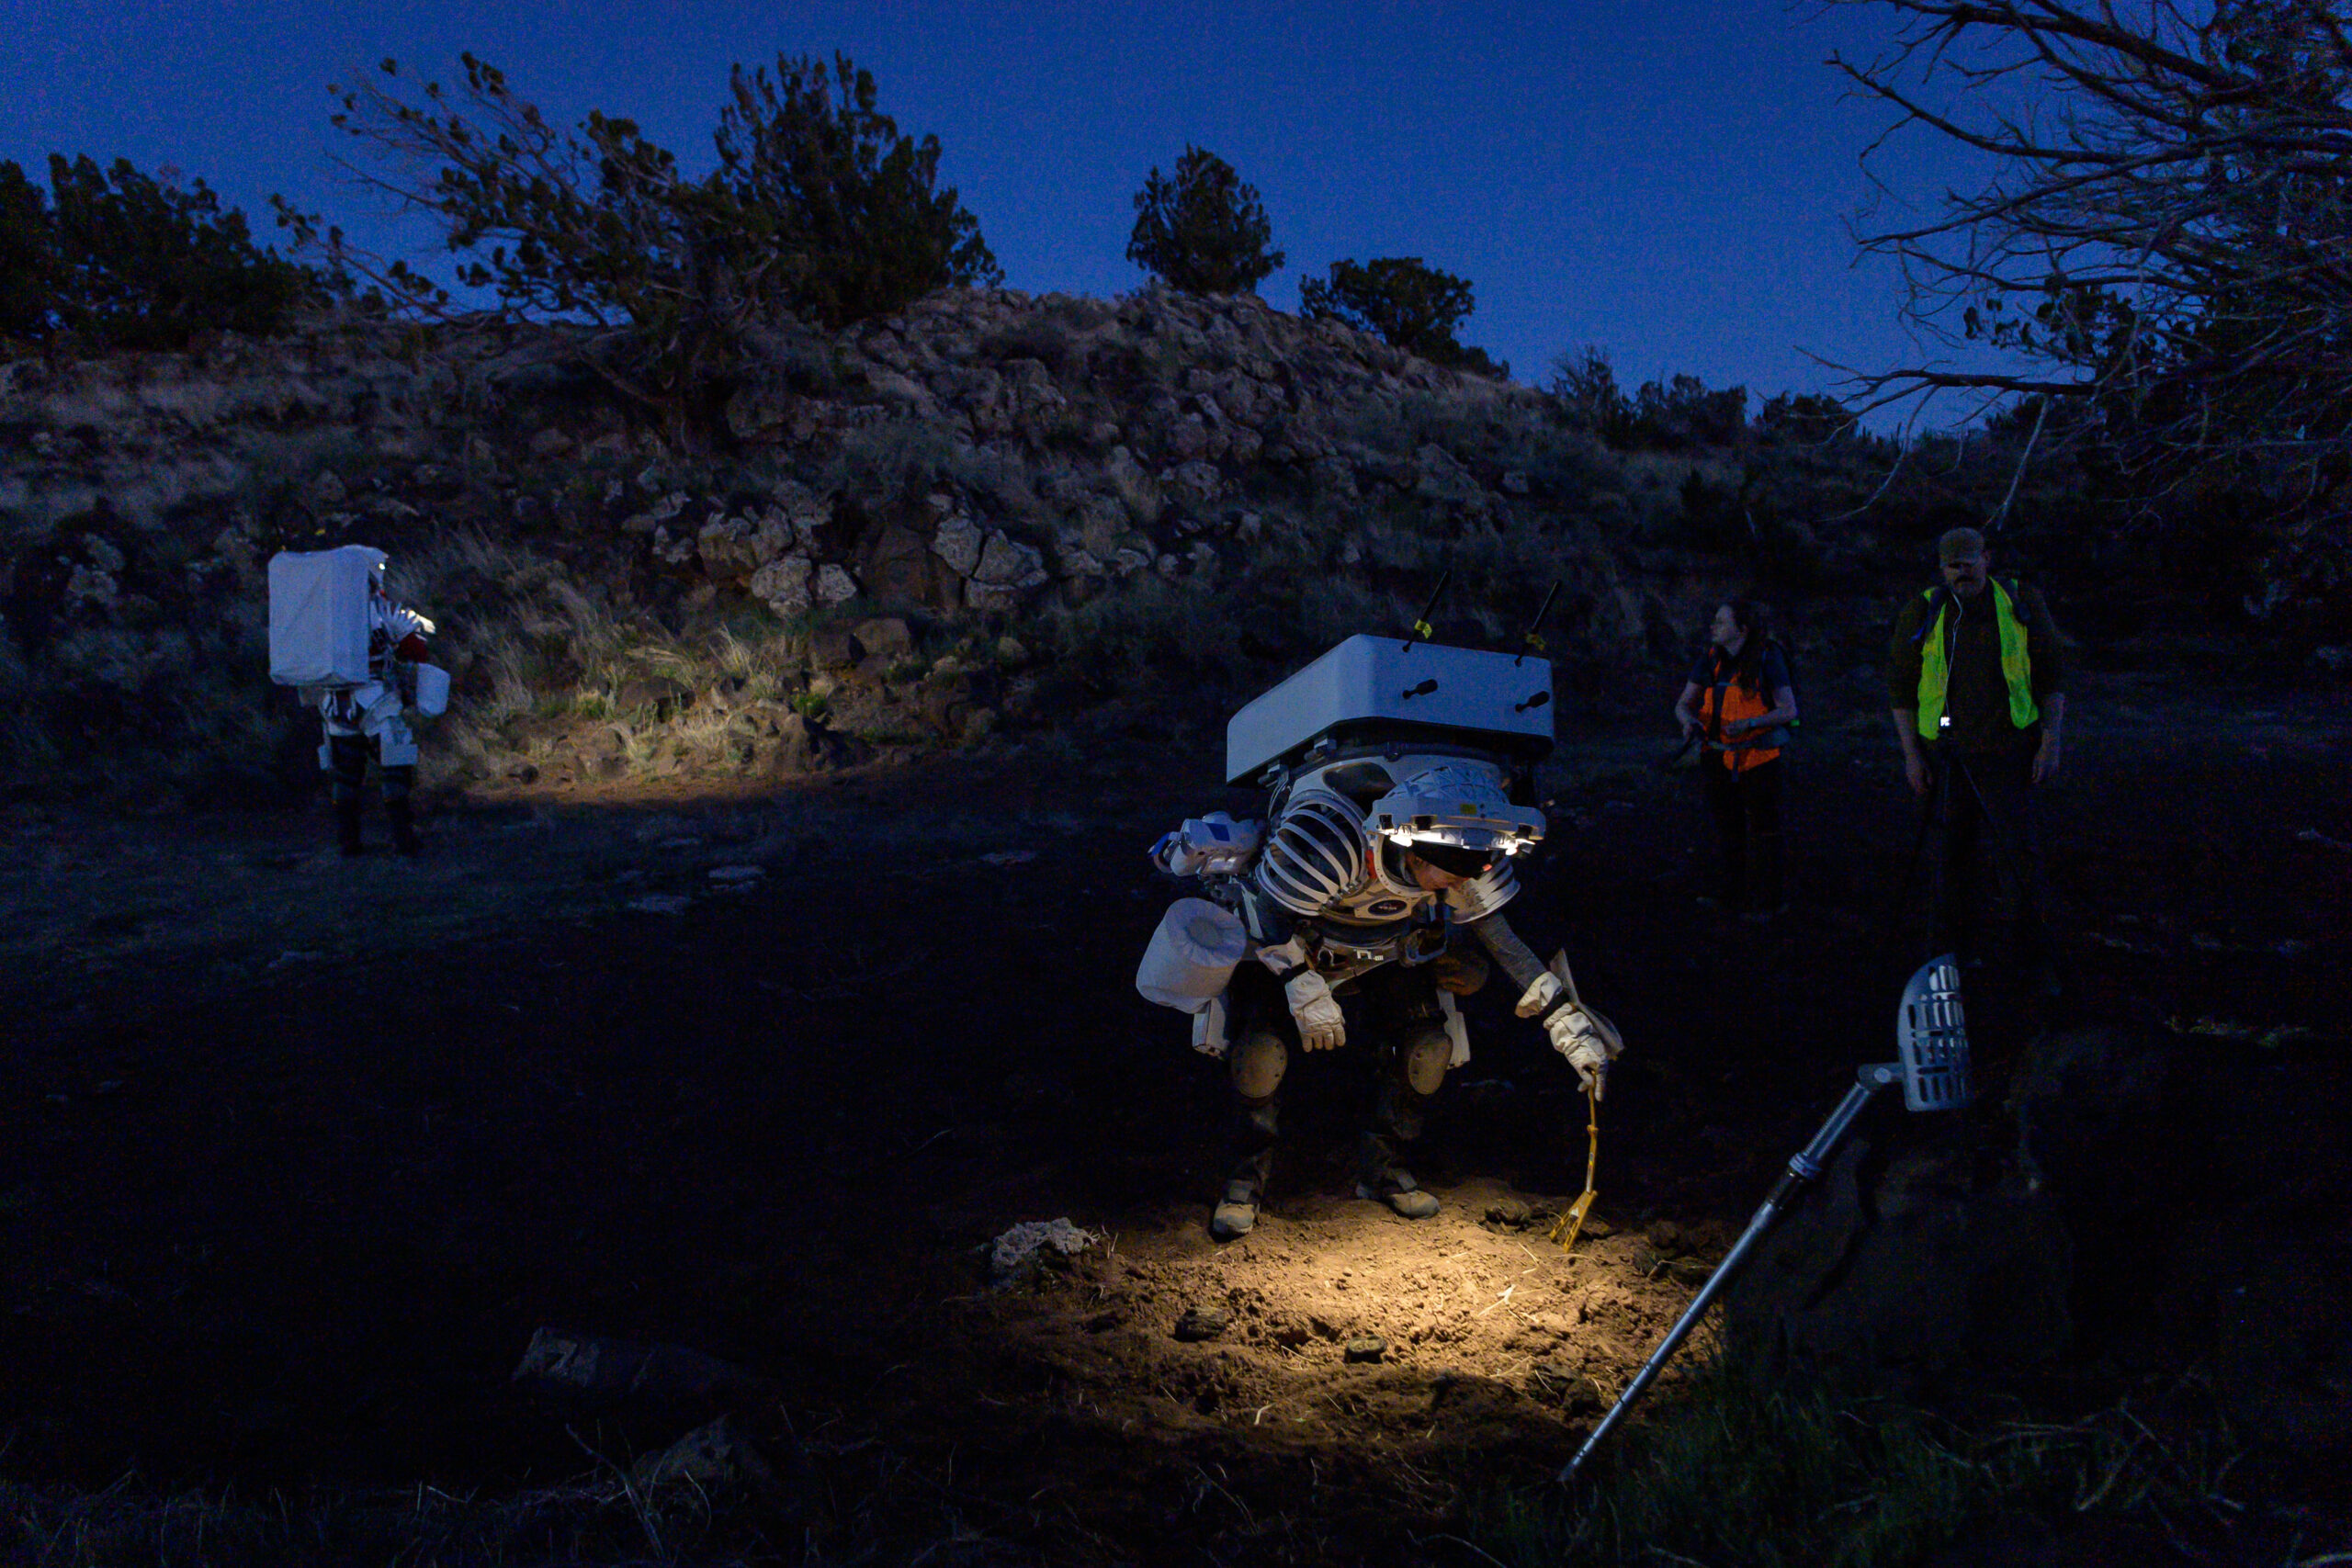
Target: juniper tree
column 118, row 258
column 1203, row 229
column 818, row 207
column 1403, row 301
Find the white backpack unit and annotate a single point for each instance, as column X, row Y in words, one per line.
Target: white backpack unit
column 318, row 616
column 1389, row 688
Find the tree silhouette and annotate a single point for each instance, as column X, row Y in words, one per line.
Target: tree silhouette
column 1403, row 301
column 1203, row 230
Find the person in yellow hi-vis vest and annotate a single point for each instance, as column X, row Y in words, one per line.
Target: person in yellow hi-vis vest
column 1976, row 678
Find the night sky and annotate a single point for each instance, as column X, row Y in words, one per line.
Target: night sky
column 1671, row 181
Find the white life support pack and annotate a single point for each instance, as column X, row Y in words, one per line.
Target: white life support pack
column 318, row 616
column 1193, row 956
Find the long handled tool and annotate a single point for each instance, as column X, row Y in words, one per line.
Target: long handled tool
column 1931, row 1041
column 1564, row 1229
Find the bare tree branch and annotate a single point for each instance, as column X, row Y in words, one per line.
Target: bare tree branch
column 2165, row 235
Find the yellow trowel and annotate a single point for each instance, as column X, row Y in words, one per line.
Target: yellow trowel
column 1565, row 1230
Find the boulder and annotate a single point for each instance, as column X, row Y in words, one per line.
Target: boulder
column 1136, row 490
column 1005, row 564
column 885, row 636
column 834, row 647
column 784, row 585
column 661, row 694
column 959, row 541
column 834, row 584
column 1199, row 483
column 899, row 568
column 1904, row 1271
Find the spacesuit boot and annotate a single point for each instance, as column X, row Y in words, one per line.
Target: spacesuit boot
column 1236, row 1213
column 1245, row 1188
column 1398, row 1103
column 1379, row 1176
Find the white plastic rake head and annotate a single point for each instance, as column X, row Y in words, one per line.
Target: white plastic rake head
column 1931, row 1037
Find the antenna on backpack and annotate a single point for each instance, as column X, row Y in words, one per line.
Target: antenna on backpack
column 1421, row 632
column 1528, row 642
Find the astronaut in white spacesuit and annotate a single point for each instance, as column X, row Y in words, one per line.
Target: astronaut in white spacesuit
column 1371, row 898
column 367, row 718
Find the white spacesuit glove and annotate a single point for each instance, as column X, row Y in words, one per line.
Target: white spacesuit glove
column 1587, row 1040
column 1320, row 1024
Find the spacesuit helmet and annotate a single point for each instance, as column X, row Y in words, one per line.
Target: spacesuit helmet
column 1456, row 817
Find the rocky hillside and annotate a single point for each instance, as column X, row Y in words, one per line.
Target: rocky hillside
column 927, row 529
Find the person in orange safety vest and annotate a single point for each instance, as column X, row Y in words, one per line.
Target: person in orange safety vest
column 1737, row 702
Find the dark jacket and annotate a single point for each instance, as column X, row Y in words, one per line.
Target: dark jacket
column 1978, row 697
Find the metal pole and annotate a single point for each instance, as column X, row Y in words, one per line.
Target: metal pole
column 1803, row 1167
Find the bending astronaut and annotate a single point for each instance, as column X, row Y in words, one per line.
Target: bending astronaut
column 1370, row 900
column 367, row 717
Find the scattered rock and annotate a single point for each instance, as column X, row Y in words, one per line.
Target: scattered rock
column 587, row 1367
column 662, row 693
column 735, row 875
column 783, row 584
column 661, row 904
column 885, row 638
column 834, row 584
column 1691, row 1271
column 1203, row 1322
column 1365, row 1348
column 1513, row 1214
column 1574, row 1390
column 959, row 541
column 1035, row 1241
column 835, row 647
column 706, row 1458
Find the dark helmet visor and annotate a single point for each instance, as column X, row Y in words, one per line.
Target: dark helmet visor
column 1453, row 858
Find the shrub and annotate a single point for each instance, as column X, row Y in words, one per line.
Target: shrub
column 120, row 259
column 823, row 193
column 1682, row 413
column 1203, row 229
column 1408, row 303
column 818, row 207
column 1584, row 387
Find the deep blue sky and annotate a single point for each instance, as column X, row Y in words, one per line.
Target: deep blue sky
column 1671, row 179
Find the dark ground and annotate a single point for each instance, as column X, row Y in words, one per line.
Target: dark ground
column 300, row 1153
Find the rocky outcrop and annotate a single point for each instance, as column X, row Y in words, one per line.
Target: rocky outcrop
column 985, row 457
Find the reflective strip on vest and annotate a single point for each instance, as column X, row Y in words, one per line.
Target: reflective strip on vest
column 1935, row 666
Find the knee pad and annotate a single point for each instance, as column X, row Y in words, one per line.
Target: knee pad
column 1258, row 1063
column 1424, row 1059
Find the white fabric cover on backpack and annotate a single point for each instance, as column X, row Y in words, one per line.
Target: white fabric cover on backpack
column 1192, row 957
column 318, row 616
column 431, row 689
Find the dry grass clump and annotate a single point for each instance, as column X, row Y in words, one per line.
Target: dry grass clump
column 1743, row 1475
